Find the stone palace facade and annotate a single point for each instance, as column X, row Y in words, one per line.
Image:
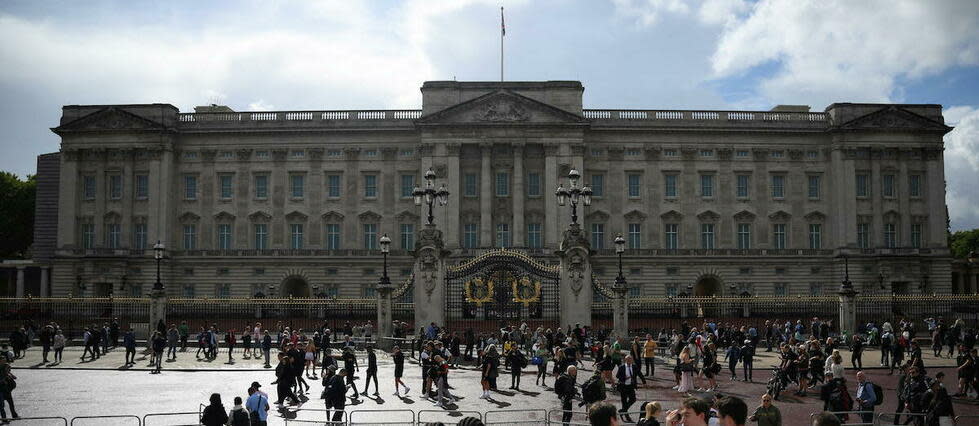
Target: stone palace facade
column 293, row 203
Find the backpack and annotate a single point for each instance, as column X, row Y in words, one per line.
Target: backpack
column 591, row 390
column 840, row 399
column 240, row 418
column 879, row 393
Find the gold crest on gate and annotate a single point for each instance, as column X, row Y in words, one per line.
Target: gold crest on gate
column 479, row 291
column 525, row 292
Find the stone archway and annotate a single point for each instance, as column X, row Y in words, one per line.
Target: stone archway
column 295, row 286
column 707, row 286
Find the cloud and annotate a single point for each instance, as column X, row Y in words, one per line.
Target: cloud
column 648, row 12
column 962, row 166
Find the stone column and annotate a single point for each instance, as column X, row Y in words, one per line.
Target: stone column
column 549, row 183
column 429, row 269
column 20, row 282
column 576, row 285
column 384, row 308
column 518, row 194
column 456, row 188
column 45, row 282
column 486, row 198
column 620, row 311
column 848, row 311
column 158, row 309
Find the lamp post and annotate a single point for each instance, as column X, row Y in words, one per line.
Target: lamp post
column 619, row 249
column 158, row 297
column 384, row 289
column 621, row 306
column 846, row 285
column 158, row 250
column 430, row 195
column 385, row 249
column 574, row 194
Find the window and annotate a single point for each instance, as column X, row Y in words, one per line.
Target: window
column 227, row 155
column 224, row 236
column 671, row 290
column 890, row 235
column 598, row 236
column 533, row 185
column 190, row 237
column 407, row 185
column 333, row 186
column 190, row 187
column 471, row 185
column 778, row 236
column 863, row 185
column 887, row 185
column 334, row 153
column 778, row 154
column 406, row 152
column 262, row 154
column 370, row 292
column 502, row 184
column 113, row 235
column 706, row 153
column 635, row 291
column 669, row 153
column 333, row 291
column 225, row 182
column 470, row 235
column 89, row 187
column 261, row 236
column 407, row 236
column 370, row 236
column 88, row 235
column 139, row 236
column 634, row 185
column 742, row 153
column 534, row 235
column 707, row 236
column 370, row 186
column 135, row 290
column 914, row 185
column 370, row 153
column 502, row 235
column 635, row 236
column 814, row 181
column 333, row 236
column 259, row 271
column 744, row 271
column 298, row 154
column 706, row 185
column 190, row 155
column 670, row 189
column 115, row 187
column 815, row 236
column 633, row 152
column 815, row 289
column 223, row 291
column 142, row 187
column 780, row 289
column 297, row 185
column 742, row 186
column 261, row 187
column 812, row 155
column 671, row 271
column 596, row 152
column 778, row 186
column 863, row 235
column 597, row 185
column 296, row 236
column 672, row 241
column 916, row 235
column 188, row 291
column 744, row 236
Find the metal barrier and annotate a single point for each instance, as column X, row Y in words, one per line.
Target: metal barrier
column 851, row 415
column 197, row 418
column 386, row 417
column 881, row 417
column 21, row 419
column 344, row 418
column 515, row 417
column 138, row 423
column 578, row 418
column 445, row 416
column 974, row 417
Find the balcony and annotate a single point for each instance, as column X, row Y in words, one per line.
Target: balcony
column 708, row 119
column 204, row 121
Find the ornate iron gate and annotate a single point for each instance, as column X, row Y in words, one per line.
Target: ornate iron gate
column 501, row 287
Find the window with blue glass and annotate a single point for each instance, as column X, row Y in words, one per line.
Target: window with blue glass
column 533, row 184
column 333, row 186
column 370, row 236
column 597, row 185
column 635, row 185
column 333, row 236
column 407, row 185
column 502, row 184
column 670, row 185
column 598, row 236
column 190, row 187
column 407, row 236
column 370, row 186
column 534, row 235
column 503, row 235
column 635, row 236
column 471, row 185
column 470, row 235
column 297, row 184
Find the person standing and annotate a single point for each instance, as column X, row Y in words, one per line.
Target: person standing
column 7, row 384
column 229, row 340
column 47, row 336
column 441, row 369
column 627, row 376
column 857, row 352
column 238, row 416
column 173, row 337
column 541, row 354
column 938, row 405
column 257, row 405
column 565, row 389
column 246, row 342
column 214, row 414
column 371, row 372
column 748, row 360
column 649, row 356
column 399, row 370
column 733, row 355
column 184, row 331
column 335, row 394
column 59, row 346
column 114, row 332
column 129, row 342
column 517, row 363
column 915, row 387
column 767, row 414
column 159, row 344
column 267, row 348
column 866, row 398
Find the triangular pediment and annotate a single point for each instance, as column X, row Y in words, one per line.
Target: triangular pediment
column 780, row 216
column 744, row 216
column 224, row 217
column 597, row 216
column 406, row 216
column 333, row 216
column 369, row 216
column 188, row 217
column 260, row 216
column 815, row 216
column 708, row 215
column 296, row 216
column 893, row 117
column 109, row 119
column 502, row 107
column 635, row 215
column 671, row 215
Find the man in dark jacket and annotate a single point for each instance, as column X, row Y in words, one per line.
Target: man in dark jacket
column 915, row 387
column 336, row 394
column 47, row 336
column 628, row 377
column 564, row 387
column 284, row 380
column 129, row 342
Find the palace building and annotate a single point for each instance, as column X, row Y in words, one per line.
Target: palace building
column 294, row 202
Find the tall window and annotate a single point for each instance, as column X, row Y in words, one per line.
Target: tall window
column 778, row 186
column 407, row 185
column 780, row 289
column 139, row 236
column 89, row 187
column 114, row 235
column 296, row 236
column 142, row 187
column 226, row 191
column 890, row 235
column 88, row 235
column 914, row 185
column 916, row 235
column 502, row 184
column 470, row 235
column 707, row 235
column 190, row 237
column 261, row 236
column 190, row 187
column 261, row 186
column 370, row 236
column 333, row 236
column 297, row 185
column 670, row 181
column 223, row 291
column 744, row 236
column 471, row 185
column 115, row 187
column 863, row 235
column 224, row 236
column 533, row 184
column 635, row 235
column 706, row 185
column 534, row 235
column 370, row 186
column 815, row 236
column 407, row 236
column 502, row 235
column 598, row 185
column 672, row 233
column 814, row 187
column 778, row 236
column 863, row 185
column 742, row 186
column 333, row 186
column 887, row 185
column 634, row 185
column 598, row 236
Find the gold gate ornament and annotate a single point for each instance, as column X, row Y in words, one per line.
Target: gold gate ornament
column 486, row 288
column 524, row 284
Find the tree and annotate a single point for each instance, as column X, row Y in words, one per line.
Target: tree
column 16, row 215
column 962, row 242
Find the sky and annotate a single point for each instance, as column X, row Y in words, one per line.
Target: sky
column 348, row 54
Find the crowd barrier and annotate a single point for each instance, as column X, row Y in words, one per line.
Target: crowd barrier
column 969, row 419
column 578, row 418
column 100, row 420
column 196, row 420
column 854, row 418
column 888, row 418
column 447, row 417
column 344, row 418
column 381, row 417
column 515, row 417
column 59, row 420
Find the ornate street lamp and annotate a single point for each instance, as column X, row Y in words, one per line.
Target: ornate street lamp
column 158, row 250
column 619, row 249
column 385, row 249
column 846, row 285
column 430, row 195
column 574, row 194
column 973, row 257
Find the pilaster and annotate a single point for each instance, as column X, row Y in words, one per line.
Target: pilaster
column 486, row 197
column 429, row 270
column 576, row 279
column 518, row 195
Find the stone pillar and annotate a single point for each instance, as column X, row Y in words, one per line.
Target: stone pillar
column 158, row 309
column 848, row 311
column 385, row 326
column 576, row 285
column 429, row 288
column 519, row 230
column 45, row 282
column 486, row 197
column 20, row 282
column 620, row 311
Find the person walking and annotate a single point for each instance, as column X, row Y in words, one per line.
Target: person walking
column 310, row 358
column 159, row 344
column 489, row 371
column 371, row 372
column 173, row 337
column 246, row 342
column 284, row 380
column 257, row 405
column 350, row 365
column 856, row 354
column 687, row 368
column 748, row 360
column 230, row 341
column 58, row 344
column 46, row 337
column 517, row 362
column 566, row 391
column 866, row 398
column 541, row 354
column 7, row 384
column 441, row 369
column 732, row 356
column 399, row 371
column 184, row 331
column 214, row 414
column 335, row 395
column 129, row 342
column 767, row 414
column 626, row 377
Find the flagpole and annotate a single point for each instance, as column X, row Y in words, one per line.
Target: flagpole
column 502, row 33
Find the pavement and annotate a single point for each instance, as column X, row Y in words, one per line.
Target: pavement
column 102, row 387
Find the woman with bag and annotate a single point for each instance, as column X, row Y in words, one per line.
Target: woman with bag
column 686, row 371
column 540, row 360
column 8, row 382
